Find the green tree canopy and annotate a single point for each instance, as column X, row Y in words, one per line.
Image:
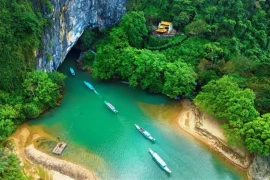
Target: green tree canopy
column 20, row 30
column 9, row 166
column 257, row 135
column 106, row 62
column 196, row 27
column 40, row 89
column 87, row 39
column 6, row 128
column 142, row 68
column 134, row 25
column 224, row 99
column 261, row 87
column 179, row 79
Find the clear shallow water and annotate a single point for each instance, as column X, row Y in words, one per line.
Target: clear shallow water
column 118, row 150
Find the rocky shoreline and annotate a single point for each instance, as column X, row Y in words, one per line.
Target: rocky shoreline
column 39, row 165
column 198, row 124
column 73, row 170
column 259, row 168
column 206, row 129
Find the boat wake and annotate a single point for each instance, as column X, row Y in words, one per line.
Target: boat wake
column 122, row 120
column 96, row 92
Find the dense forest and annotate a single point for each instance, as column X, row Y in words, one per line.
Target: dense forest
column 24, row 92
column 219, row 58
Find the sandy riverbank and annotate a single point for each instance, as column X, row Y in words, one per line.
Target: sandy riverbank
column 207, row 129
column 38, row 165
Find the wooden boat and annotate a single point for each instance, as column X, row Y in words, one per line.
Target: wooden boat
column 145, row 133
column 111, row 107
column 160, row 161
column 89, row 85
column 72, row 71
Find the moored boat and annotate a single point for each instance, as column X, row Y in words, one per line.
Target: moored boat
column 89, row 85
column 111, row 107
column 124, row 82
column 145, row 133
column 72, row 71
column 160, row 161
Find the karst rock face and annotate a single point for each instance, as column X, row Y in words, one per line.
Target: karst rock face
column 260, row 168
column 67, row 20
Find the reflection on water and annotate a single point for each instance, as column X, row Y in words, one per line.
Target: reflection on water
column 111, row 145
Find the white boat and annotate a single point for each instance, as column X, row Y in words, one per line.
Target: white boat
column 111, row 107
column 72, row 71
column 145, row 133
column 160, row 161
column 89, row 85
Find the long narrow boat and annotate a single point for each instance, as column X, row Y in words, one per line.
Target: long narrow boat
column 89, row 85
column 72, row 71
column 160, row 161
column 111, row 107
column 145, row 133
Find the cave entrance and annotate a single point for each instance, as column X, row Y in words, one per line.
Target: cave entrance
column 81, row 56
column 71, row 60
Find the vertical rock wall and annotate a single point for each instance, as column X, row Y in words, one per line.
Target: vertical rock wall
column 67, row 21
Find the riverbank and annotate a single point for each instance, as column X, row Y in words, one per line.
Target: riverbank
column 61, row 166
column 208, row 130
column 36, row 164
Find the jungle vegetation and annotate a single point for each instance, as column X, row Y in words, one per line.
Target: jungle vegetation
column 24, row 92
column 219, row 58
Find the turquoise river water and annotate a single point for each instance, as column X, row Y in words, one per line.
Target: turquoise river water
column 110, row 145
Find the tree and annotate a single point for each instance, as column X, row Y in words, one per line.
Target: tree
column 31, row 110
column 9, row 166
column 197, row 27
column 134, row 25
column 88, row 59
column 40, row 89
column 179, row 79
column 118, row 38
column 87, row 39
column 257, row 135
column 261, row 88
column 6, row 128
column 213, row 51
column 106, row 62
column 142, row 68
column 206, row 76
column 20, row 36
column 243, row 65
column 224, row 99
column 57, row 78
column 183, row 12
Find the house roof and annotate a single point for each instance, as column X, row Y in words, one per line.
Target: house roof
column 161, row 27
column 165, row 23
column 161, row 30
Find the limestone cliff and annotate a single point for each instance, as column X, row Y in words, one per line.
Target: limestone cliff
column 260, row 168
column 67, row 21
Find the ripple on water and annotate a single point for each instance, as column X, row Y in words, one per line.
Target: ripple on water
column 112, row 146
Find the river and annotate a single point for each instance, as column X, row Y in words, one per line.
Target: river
column 110, row 145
